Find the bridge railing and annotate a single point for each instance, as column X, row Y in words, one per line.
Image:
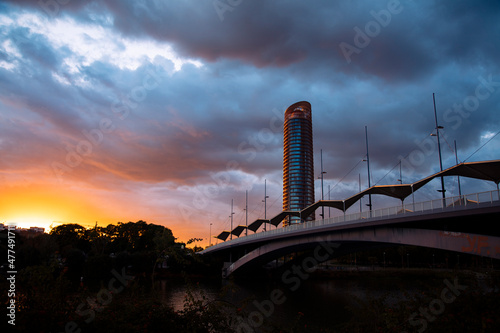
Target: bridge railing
column 408, row 208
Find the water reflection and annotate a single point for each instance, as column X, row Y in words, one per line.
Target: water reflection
column 318, row 303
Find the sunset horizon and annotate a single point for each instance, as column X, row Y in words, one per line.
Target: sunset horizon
column 121, row 112
column 250, row 165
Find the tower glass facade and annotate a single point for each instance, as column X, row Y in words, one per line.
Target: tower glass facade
column 298, row 164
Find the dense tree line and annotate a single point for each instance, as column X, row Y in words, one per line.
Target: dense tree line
column 77, row 252
column 63, row 275
column 90, row 253
column 52, row 297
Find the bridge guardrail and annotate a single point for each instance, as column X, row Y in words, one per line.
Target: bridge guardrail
column 414, row 207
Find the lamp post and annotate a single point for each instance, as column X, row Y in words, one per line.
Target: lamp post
column 322, row 195
column 368, row 164
column 231, row 216
column 360, row 203
column 329, row 211
column 265, row 202
column 400, row 180
column 458, row 177
column 210, row 236
column 246, row 212
column 439, row 147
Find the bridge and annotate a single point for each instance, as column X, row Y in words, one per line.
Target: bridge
column 465, row 224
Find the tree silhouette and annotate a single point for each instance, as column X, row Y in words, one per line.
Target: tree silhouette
column 69, row 236
column 192, row 240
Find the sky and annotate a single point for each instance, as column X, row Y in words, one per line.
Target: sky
column 166, row 111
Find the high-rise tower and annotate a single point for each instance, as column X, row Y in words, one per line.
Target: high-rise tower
column 298, row 164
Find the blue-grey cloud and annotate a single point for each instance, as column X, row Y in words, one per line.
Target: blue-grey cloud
column 181, row 126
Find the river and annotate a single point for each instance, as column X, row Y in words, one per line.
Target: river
column 326, row 303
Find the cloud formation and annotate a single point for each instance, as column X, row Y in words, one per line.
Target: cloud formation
column 151, row 103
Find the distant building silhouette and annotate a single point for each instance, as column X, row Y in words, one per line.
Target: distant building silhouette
column 298, row 163
column 29, row 233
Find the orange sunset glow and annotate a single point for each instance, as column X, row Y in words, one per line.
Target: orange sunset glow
column 104, row 121
column 250, row 165
column 44, row 205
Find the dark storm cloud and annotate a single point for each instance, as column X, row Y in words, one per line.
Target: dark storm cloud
column 34, row 47
column 470, row 29
column 420, row 40
column 264, row 56
column 196, row 31
column 281, row 33
column 165, row 138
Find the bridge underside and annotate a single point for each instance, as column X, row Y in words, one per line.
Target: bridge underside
column 339, row 242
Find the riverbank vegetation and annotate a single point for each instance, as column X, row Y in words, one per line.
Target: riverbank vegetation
column 102, row 279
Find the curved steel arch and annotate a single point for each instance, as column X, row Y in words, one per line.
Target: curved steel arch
column 487, row 246
column 485, row 170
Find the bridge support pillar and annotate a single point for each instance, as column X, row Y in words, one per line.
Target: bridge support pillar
column 225, row 268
